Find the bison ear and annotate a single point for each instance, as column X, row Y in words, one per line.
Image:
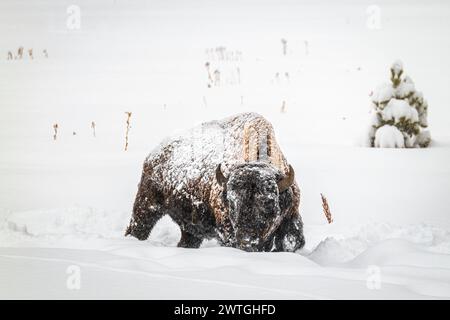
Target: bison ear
column 220, row 176
column 287, row 181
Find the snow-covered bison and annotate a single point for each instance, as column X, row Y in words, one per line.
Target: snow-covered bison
column 222, row 179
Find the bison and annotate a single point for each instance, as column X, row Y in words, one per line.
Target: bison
column 226, row 180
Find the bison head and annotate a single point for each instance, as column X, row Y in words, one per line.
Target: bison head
column 252, row 194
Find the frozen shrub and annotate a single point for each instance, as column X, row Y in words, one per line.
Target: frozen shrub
column 399, row 113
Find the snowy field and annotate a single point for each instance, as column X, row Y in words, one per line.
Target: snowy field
column 65, row 203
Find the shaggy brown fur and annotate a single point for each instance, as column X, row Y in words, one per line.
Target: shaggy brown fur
column 180, row 179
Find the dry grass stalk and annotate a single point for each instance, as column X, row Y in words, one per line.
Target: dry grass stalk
column 19, row 53
column 55, row 129
column 93, row 128
column 326, row 209
column 283, row 107
column 128, row 129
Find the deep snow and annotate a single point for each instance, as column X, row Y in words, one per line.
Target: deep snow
column 67, row 202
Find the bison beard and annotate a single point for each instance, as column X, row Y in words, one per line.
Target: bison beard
column 247, row 200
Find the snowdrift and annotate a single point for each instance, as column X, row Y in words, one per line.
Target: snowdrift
column 374, row 261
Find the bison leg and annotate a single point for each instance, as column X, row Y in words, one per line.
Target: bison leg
column 143, row 221
column 289, row 237
column 188, row 240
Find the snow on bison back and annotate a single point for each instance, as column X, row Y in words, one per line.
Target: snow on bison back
column 226, row 180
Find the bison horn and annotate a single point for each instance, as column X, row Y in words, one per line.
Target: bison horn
column 287, row 181
column 220, row 176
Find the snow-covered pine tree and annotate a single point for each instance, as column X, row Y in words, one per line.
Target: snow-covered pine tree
column 399, row 114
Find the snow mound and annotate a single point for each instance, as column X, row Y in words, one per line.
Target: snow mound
column 68, row 221
column 399, row 252
column 405, row 88
column 397, row 66
column 78, row 225
column 384, row 92
column 166, row 232
column 397, row 109
column 389, row 137
column 424, row 138
column 357, row 247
